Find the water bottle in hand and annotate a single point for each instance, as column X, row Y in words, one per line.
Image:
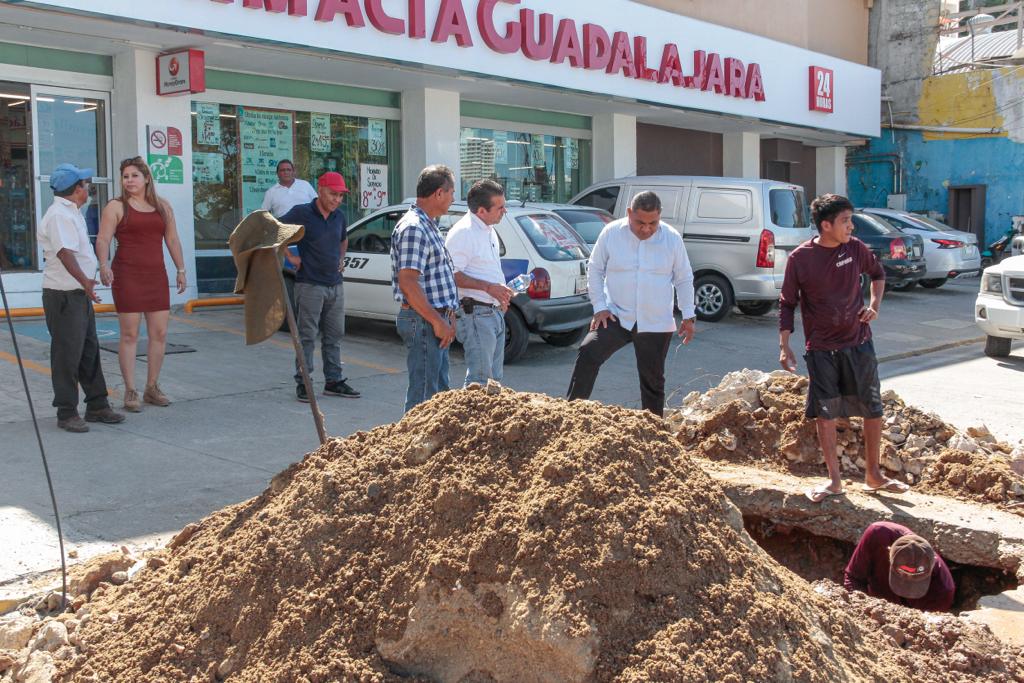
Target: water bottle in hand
column 520, row 283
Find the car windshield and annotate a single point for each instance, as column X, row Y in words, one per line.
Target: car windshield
column 553, row 238
column 927, row 223
column 588, row 224
column 864, row 224
column 789, row 208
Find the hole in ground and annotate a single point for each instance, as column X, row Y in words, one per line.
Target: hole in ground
column 819, row 557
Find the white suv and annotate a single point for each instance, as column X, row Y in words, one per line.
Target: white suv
column 536, row 241
column 999, row 309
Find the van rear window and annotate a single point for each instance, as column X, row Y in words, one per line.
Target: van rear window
column 789, row 208
column 726, row 205
column 553, row 238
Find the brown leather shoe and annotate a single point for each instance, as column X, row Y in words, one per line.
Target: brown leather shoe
column 73, row 424
column 155, row 396
column 104, row 415
column 132, row 402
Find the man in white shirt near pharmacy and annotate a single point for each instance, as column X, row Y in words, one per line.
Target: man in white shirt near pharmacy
column 483, row 296
column 636, row 265
column 288, row 192
column 69, row 281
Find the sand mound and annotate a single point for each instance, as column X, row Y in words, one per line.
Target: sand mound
column 758, row 418
column 507, row 537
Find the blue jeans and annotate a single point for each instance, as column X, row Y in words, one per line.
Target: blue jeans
column 482, row 335
column 426, row 361
column 320, row 312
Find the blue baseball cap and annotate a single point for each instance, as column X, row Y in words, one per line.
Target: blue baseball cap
column 66, row 175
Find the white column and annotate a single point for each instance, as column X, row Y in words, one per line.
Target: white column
column 430, row 134
column 741, row 155
column 135, row 105
column 614, row 146
column 830, row 170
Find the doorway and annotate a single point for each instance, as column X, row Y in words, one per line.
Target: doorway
column 967, row 210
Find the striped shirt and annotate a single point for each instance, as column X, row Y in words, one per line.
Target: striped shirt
column 417, row 244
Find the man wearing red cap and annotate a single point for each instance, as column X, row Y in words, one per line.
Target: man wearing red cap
column 319, row 296
column 893, row 563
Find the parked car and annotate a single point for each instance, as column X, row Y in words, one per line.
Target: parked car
column 738, row 233
column 948, row 252
column 901, row 255
column 999, row 308
column 588, row 221
column 556, row 306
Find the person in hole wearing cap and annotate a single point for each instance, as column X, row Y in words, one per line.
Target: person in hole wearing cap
column 892, row 562
column 319, row 297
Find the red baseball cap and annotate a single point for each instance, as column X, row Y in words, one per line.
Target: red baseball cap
column 332, row 181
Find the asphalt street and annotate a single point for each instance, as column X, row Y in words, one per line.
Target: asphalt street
column 235, row 422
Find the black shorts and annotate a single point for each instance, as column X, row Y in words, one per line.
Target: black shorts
column 844, row 383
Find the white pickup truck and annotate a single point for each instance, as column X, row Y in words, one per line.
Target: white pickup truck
column 999, row 309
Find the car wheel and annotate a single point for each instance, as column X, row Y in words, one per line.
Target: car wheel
column 566, row 338
column 517, row 336
column 933, row 284
column 713, row 297
column 289, row 285
column 755, row 307
column 997, row 347
column 905, row 287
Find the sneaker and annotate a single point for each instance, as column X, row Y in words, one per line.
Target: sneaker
column 300, row 393
column 104, row 415
column 132, row 402
column 340, row 388
column 73, row 424
column 154, row 396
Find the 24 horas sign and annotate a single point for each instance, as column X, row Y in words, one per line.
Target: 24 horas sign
column 539, row 37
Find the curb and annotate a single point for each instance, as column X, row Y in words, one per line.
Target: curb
column 933, row 349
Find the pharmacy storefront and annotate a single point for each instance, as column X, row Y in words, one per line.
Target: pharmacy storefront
column 545, row 100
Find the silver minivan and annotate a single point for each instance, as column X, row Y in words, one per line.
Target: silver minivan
column 738, row 233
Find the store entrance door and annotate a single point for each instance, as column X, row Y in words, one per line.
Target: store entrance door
column 71, row 127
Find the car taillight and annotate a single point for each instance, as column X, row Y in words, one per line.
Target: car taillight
column 897, row 249
column 766, row 250
column 540, row 287
column 948, row 244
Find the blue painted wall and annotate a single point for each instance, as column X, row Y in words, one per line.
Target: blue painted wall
column 929, row 167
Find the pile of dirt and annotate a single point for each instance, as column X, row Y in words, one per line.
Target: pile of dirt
column 488, row 537
column 757, row 418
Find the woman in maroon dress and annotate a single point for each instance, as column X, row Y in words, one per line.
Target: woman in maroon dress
column 140, row 222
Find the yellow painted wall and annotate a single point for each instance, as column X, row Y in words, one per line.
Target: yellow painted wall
column 961, row 100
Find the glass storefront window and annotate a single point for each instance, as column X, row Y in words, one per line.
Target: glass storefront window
column 236, row 150
column 17, row 208
column 533, row 167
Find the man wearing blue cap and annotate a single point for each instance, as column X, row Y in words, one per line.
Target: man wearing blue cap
column 68, row 294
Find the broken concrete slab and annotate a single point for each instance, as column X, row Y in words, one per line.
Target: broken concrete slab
column 1003, row 614
column 961, row 531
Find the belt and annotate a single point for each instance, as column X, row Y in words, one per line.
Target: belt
column 468, row 304
column 444, row 311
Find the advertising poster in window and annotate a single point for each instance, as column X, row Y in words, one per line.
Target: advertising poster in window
column 537, row 151
column 207, row 167
column 208, row 124
column 376, row 135
column 373, row 186
column 500, row 147
column 320, row 133
column 572, row 153
column 266, row 137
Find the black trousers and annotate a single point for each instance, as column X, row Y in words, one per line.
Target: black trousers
column 651, row 349
column 74, row 351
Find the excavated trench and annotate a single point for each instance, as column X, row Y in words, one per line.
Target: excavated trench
column 814, row 557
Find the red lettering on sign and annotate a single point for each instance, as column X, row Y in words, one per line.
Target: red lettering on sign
column 567, row 44
column 671, row 70
column 735, row 77
column 821, row 88
column 503, row 44
column 451, row 21
column 597, row 47
column 714, row 78
column 417, row 19
column 382, row 21
column 296, row 8
column 755, row 84
column 537, row 48
column 622, row 56
column 697, row 79
column 643, row 72
column 350, row 8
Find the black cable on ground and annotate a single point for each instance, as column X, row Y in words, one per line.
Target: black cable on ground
column 42, row 450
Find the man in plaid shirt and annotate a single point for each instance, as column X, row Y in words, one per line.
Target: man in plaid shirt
column 423, row 280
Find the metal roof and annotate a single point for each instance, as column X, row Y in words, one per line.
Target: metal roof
column 987, row 47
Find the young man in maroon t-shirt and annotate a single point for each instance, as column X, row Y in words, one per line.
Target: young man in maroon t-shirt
column 823, row 277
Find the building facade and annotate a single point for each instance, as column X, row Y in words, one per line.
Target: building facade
column 545, row 101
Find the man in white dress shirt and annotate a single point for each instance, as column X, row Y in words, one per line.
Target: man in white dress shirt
column 635, row 266
column 288, row 192
column 483, row 296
